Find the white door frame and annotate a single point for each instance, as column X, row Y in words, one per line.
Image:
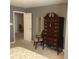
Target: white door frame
column 14, row 23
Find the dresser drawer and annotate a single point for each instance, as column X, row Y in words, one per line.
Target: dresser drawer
column 56, row 24
column 56, row 20
column 54, row 44
column 56, row 31
column 56, row 27
column 55, row 40
column 55, row 35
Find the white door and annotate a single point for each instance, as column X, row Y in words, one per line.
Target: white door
column 28, row 26
column 16, row 26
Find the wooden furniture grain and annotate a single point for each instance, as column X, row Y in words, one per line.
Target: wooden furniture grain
column 53, row 31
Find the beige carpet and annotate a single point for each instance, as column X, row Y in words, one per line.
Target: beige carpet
column 51, row 54
column 22, row 53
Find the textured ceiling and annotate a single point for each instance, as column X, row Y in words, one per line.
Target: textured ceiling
column 35, row 3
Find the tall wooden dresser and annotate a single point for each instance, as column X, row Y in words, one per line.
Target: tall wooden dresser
column 53, row 31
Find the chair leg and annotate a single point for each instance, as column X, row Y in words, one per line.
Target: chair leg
column 57, row 51
column 43, row 46
column 35, row 45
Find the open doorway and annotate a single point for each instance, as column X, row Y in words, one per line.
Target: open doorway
column 19, row 26
column 22, row 23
